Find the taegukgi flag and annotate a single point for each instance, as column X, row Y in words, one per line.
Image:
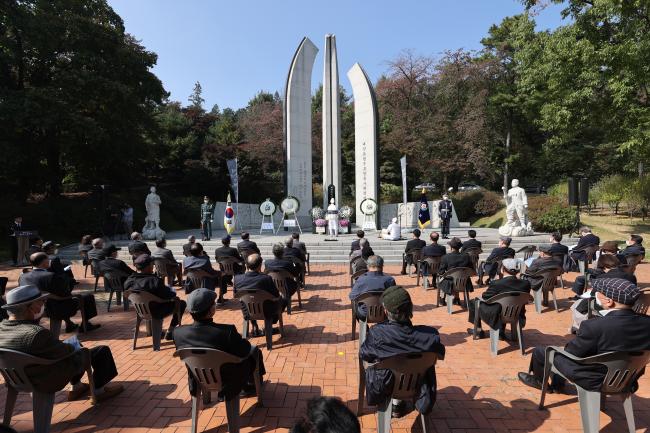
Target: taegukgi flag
column 229, row 217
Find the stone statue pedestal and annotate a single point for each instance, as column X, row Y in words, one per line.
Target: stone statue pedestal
column 516, row 231
column 152, row 232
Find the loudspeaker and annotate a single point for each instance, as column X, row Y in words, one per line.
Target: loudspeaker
column 573, row 192
column 584, row 191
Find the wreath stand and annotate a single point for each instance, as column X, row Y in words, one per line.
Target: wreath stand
column 285, row 222
column 267, row 225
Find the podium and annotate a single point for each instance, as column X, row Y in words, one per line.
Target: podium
column 22, row 240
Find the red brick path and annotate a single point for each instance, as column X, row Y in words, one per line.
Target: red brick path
column 476, row 393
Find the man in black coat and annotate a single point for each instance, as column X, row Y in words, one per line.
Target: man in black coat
column 278, row 263
column 398, row 336
column 619, row 330
column 246, row 244
column 414, row 244
column 491, row 314
column 137, row 246
column 556, row 245
column 364, row 251
column 15, row 227
column 454, row 259
column 291, row 250
column 634, row 246
column 146, row 281
column 204, row 333
column 163, row 253
column 491, row 264
column 586, row 239
column 56, row 264
column 434, row 249
column 543, row 263
column 112, row 264
column 298, row 244
column 355, row 243
column 471, row 243
column 199, row 261
column 61, row 309
column 188, row 246
column 97, row 252
column 225, row 251
column 372, row 281
column 607, row 266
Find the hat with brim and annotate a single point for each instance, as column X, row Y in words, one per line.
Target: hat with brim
column 50, row 244
column 23, row 295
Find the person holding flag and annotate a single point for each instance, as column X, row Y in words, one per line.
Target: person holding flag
column 229, row 217
column 424, row 216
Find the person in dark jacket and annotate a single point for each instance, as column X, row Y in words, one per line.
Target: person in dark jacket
column 15, row 227
column 35, row 246
column 199, row 261
column 246, row 244
column 163, row 253
column 205, row 333
column 620, row 329
column 355, row 243
column 278, row 263
column 254, row 279
column 364, row 251
column 543, row 263
column 372, row 281
column 586, row 239
column 23, row 333
column 398, row 336
column 491, row 314
column 188, row 246
column 225, row 251
column 556, row 245
column 112, row 264
column 97, row 252
column 414, row 244
column 291, row 250
column 61, row 309
column 434, row 249
column 146, row 281
column 455, row 259
column 633, row 246
column 299, row 244
column 137, row 246
column 491, row 265
column 56, row 264
column 607, row 262
column 471, row 243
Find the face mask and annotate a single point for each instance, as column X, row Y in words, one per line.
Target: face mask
column 40, row 313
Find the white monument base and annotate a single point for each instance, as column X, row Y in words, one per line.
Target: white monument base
column 516, row 231
column 153, row 233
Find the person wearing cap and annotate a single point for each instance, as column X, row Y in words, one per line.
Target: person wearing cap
column 608, row 265
column 619, row 330
column 137, row 246
column 97, row 251
column 188, row 246
column 146, row 281
column 279, row 263
column 544, row 262
column 633, row 246
column 162, row 252
column 198, row 260
column 445, row 211
column 246, row 244
column 205, row 333
column 207, row 217
column 61, row 309
column 471, row 243
column 22, row 332
column 114, row 265
column 372, row 281
column 490, row 266
column 491, row 313
column 454, row 259
column 587, row 239
column 398, row 336
column 393, row 232
column 56, row 265
column 414, row 244
column 254, row 279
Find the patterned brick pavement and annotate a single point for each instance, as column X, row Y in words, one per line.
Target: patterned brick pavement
column 476, row 393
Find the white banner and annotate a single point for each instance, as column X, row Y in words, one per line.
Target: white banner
column 402, row 162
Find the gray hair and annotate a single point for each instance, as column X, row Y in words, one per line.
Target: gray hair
column 135, row 236
column 97, row 242
column 278, row 250
column 585, row 229
column 191, row 238
column 363, row 242
column 375, row 262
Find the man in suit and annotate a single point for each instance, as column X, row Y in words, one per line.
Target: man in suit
column 398, row 336
column 226, row 251
column 355, row 243
column 291, row 250
column 112, row 265
column 58, row 285
column 454, row 259
column 162, row 252
column 620, row 329
column 97, row 252
column 15, row 227
column 56, row 265
column 491, row 314
column 556, row 245
column 137, row 246
column 188, row 246
column 586, row 239
column 491, row 265
column 279, row 263
column 198, row 261
column 414, row 244
column 471, row 243
column 237, row 378
column 633, row 246
column 23, row 333
column 543, row 263
column 445, row 210
column 146, row 281
column 246, row 244
column 254, row 279
column 372, row 281
column 433, row 250
column 297, row 244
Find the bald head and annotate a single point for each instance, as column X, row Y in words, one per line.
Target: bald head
column 254, row 262
column 39, row 260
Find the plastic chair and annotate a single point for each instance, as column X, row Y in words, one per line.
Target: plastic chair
column 548, row 286
column 307, row 256
column 94, row 268
column 85, row 261
column 561, row 259
column 301, row 266
column 428, row 266
column 512, row 305
column 354, row 277
column 460, row 277
column 375, row 313
column 254, row 302
column 164, row 271
column 583, row 265
column 416, row 257
column 197, row 277
column 227, row 265
column 357, row 264
column 13, row 365
column 141, row 301
column 280, row 279
column 204, row 365
column 528, row 251
column 623, row 368
column 55, row 324
column 641, row 305
column 408, row 372
column 114, row 282
column 245, row 252
column 474, row 254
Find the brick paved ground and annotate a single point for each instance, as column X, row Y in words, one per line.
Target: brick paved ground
column 476, row 393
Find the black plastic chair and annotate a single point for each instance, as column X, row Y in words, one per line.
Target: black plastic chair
column 254, row 302
column 415, row 258
column 528, row 251
column 280, row 279
column 114, row 282
column 141, row 303
column 428, row 266
column 548, row 286
column 375, row 313
column 460, row 277
column 94, row 267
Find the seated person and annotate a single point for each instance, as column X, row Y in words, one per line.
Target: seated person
column 491, row 314
column 278, row 263
column 86, row 244
column 398, row 336
column 35, row 246
column 434, row 250
column 137, row 246
column 364, row 251
column 246, row 244
column 254, row 279
column 372, row 281
column 226, row 251
column 112, row 264
column 471, row 243
column 146, row 281
column 291, row 250
column 22, row 332
column 355, row 243
column 297, row 244
column 556, row 247
column 63, row 309
column 491, row 265
column 188, row 245
column 454, row 259
column 199, row 261
column 542, row 263
column 586, row 239
column 620, row 329
column 393, row 232
column 327, row 415
column 56, row 265
column 414, row 244
column 237, row 378
column 633, row 246
column 162, row 252
column 97, row 252
column 607, row 262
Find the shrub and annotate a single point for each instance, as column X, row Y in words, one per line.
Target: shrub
column 489, row 204
column 465, row 204
column 539, row 205
column 391, row 193
column 557, row 218
column 560, row 191
column 611, row 190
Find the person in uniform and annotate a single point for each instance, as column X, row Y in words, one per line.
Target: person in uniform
column 207, row 215
column 445, row 210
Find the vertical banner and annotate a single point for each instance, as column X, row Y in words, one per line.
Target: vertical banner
column 402, row 162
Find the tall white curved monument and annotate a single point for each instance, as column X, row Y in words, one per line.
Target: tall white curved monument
column 297, row 127
column 366, row 173
column 331, row 123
